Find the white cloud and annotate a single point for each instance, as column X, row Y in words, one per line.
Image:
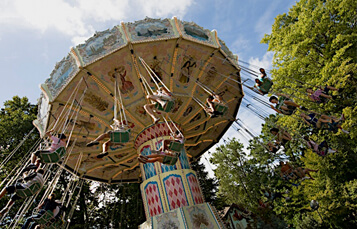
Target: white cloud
column 240, row 44
column 265, row 62
column 264, row 23
column 74, row 18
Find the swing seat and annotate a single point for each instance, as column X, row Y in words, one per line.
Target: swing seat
column 44, row 218
column 30, row 191
column 175, row 146
column 53, row 157
column 220, row 107
column 120, row 136
column 57, row 224
column 170, row 160
column 168, row 107
column 267, row 84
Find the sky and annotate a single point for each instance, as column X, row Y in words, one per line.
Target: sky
column 36, row 34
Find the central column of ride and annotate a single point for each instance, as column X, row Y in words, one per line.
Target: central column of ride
column 171, row 194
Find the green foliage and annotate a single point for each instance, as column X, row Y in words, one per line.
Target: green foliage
column 314, row 45
column 15, row 123
column 109, row 206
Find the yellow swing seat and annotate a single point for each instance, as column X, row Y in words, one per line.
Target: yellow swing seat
column 120, row 136
column 53, row 157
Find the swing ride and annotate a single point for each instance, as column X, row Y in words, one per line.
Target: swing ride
column 137, row 58
column 110, row 88
column 136, row 85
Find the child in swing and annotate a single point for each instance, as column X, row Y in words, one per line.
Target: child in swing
column 161, row 96
column 332, row 122
column 282, row 136
column 116, row 126
column 263, row 84
column 176, row 137
column 321, row 95
column 35, row 177
column 57, row 142
column 211, row 110
column 164, row 155
column 284, row 105
column 321, row 149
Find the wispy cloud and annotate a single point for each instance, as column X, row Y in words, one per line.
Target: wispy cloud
column 265, row 62
column 240, row 44
column 265, row 21
column 75, row 18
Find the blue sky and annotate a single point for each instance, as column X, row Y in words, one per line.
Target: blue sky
column 36, row 34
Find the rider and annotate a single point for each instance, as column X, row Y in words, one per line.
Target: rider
column 49, row 204
column 164, row 155
column 35, row 177
column 211, row 110
column 161, row 96
column 57, row 142
column 116, row 126
column 263, row 84
column 332, row 122
column 321, row 149
column 320, row 95
column 282, row 137
column 284, row 105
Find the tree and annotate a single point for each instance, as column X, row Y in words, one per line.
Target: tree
column 314, row 45
column 15, row 123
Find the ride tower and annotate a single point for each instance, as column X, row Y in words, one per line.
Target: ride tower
column 81, row 98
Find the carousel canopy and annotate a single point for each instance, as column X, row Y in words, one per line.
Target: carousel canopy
column 78, row 97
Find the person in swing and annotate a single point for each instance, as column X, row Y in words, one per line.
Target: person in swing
column 273, row 147
column 284, row 105
column 116, row 126
column 321, row 149
column 57, row 142
column 161, row 96
column 49, row 204
column 332, row 122
column 288, row 172
column 164, row 155
column 167, row 158
column 176, row 137
column 321, row 95
column 33, row 178
column 282, row 136
column 263, row 84
column 211, row 110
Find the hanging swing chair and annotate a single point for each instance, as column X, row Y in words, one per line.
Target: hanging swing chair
column 53, row 157
column 220, row 107
column 30, row 191
column 47, row 219
column 120, row 136
column 170, row 159
column 120, row 133
column 266, row 85
column 44, row 218
column 168, row 107
column 175, row 146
